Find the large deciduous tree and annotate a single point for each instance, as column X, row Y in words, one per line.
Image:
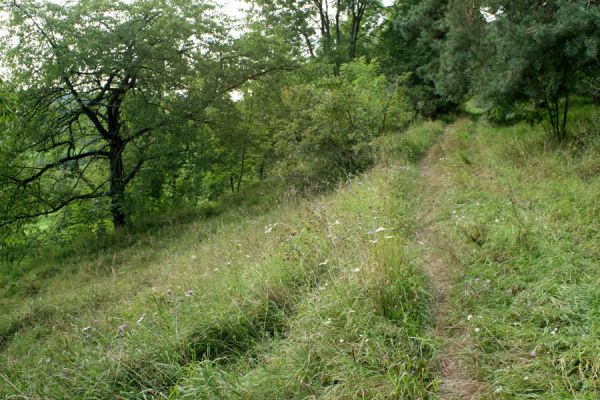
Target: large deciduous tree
column 95, row 80
column 104, row 87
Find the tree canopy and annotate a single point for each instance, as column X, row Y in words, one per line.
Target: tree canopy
column 330, row 30
column 114, row 110
column 106, row 87
column 542, row 53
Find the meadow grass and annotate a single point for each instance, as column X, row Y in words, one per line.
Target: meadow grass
column 282, row 297
column 519, row 219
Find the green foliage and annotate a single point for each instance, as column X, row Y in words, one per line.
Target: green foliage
column 101, row 96
column 14, row 244
column 521, row 220
column 411, row 145
column 412, row 43
column 289, row 298
column 464, row 51
column 330, row 31
column 543, row 51
column 121, row 103
column 332, row 122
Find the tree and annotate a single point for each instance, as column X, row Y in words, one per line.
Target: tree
column 106, row 87
column 412, row 43
column 544, row 50
column 465, row 47
column 357, row 11
column 329, row 126
column 12, row 240
column 326, row 29
column 80, row 71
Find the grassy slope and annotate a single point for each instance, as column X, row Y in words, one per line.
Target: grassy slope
column 520, row 220
column 289, row 303
column 287, row 299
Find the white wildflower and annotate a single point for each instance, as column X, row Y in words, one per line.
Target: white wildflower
column 533, row 354
column 380, row 229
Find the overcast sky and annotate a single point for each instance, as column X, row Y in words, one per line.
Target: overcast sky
column 233, row 8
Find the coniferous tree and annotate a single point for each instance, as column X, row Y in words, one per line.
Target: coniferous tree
column 543, row 53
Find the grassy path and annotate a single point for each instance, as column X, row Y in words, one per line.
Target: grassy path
column 316, row 297
column 509, row 232
column 456, row 380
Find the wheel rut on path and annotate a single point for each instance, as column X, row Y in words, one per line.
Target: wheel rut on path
column 456, row 375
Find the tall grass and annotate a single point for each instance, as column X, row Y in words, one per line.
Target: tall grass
column 520, row 217
column 295, row 298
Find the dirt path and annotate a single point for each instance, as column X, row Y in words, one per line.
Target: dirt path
column 456, row 379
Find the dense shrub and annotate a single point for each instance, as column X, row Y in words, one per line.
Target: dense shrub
column 331, row 122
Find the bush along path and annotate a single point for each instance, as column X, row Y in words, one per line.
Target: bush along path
column 466, row 270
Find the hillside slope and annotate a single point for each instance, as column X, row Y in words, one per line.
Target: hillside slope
column 292, row 299
column 510, row 229
column 470, row 273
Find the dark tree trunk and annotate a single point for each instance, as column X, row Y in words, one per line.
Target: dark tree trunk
column 231, row 183
column 565, row 115
column 117, row 144
column 242, row 168
column 338, row 39
column 117, row 183
column 325, row 26
column 553, row 107
column 261, row 171
column 309, row 45
column 356, row 17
